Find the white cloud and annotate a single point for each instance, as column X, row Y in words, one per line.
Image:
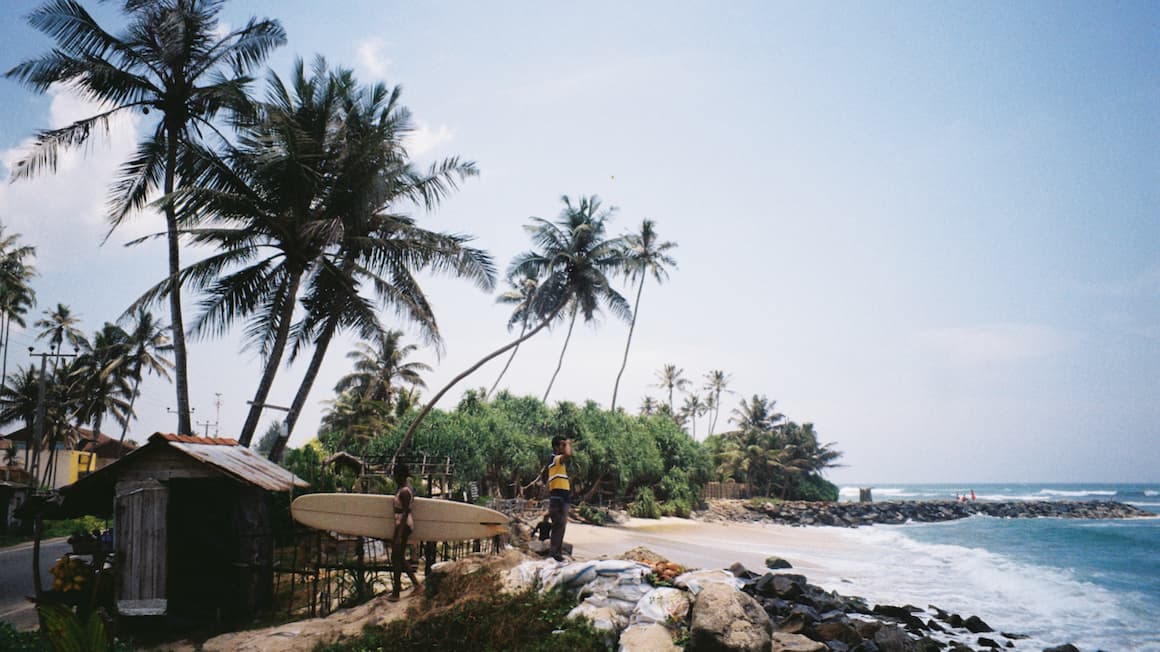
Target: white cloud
column 64, row 212
column 425, row 139
column 995, row 343
column 372, row 57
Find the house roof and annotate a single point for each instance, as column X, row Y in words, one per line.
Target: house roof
column 102, row 445
column 93, row 494
column 237, row 461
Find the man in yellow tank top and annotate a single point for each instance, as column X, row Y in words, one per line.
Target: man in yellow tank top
column 559, row 493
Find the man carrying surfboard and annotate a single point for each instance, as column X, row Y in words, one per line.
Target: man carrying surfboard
column 404, row 525
column 559, row 493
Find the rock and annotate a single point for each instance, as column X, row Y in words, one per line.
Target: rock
column 783, row 642
column 928, row 644
column 741, row 572
column 836, row 631
column 1066, row 647
column 795, row 623
column 775, row 563
column 903, row 614
column 892, row 638
column 647, row 638
column 988, row 642
column 975, row 625
column 1014, row 637
column 727, row 619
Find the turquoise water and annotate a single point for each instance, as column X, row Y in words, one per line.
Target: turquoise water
column 1094, row 583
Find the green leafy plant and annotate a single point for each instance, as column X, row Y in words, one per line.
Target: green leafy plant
column 14, row 640
column 66, row 633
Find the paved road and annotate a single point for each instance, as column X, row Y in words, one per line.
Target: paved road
column 16, row 579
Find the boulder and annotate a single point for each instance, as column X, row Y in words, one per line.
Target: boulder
column 892, row 638
column 725, row 619
column 975, row 625
column 647, row 638
column 836, row 631
column 776, row 563
column 1066, row 647
column 782, row 642
column 988, row 642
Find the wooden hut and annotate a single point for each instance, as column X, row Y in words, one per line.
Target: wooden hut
column 192, row 527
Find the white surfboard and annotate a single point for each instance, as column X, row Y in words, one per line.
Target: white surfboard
column 370, row 515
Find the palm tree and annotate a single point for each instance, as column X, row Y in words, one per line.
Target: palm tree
column 376, row 246
column 102, row 384
column 579, row 231
column 571, row 273
column 644, row 256
column 693, row 407
column 265, row 198
column 648, row 406
column 671, row 377
column 757, row 414
column 146, row 345
column 381, row 370
column 60, row 326
column 521, row 294
column 716, row 384
column 171, row 59
column 16, row 295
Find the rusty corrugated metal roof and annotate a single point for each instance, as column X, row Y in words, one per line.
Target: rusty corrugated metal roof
column 242, row 463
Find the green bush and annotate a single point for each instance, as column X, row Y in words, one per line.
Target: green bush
column 592, row 515
column 813, row 487
column 645, row 505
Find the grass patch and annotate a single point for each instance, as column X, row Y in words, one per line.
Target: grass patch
column 468, row 612
column 758, row 501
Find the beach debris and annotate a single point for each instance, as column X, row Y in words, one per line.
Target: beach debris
column 727, row 619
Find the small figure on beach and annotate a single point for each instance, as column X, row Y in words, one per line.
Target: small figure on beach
column 559, row 493
column 972, row 494
column 404, row 525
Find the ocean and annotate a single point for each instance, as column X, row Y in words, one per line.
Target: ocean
column 1093, row 583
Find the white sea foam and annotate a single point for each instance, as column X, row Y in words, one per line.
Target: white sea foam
column 1151, row 492
column 1049, row 604
column 1076, row 494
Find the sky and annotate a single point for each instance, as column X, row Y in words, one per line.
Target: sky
column 932, row 230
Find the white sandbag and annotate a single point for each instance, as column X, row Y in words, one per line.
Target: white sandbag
column 694, row 581
column 664, row 606
column 603, row 618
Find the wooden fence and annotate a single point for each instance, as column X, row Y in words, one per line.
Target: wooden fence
column 725, row 490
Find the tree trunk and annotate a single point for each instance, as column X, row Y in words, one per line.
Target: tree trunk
column 523, row 329
column 467, row 372
column 177, row 324
column 320, row 346
column 631, row 328
column 272, row 363
column 7, row 318
column 560, row 362
column 128, row 416
column 595, row 485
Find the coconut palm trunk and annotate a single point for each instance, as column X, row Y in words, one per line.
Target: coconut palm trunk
column 467, row 372
column 511, row 357
column 320, row 346
column 560, row 362
column 274, row 361
column 176, row 321
column 631, row 328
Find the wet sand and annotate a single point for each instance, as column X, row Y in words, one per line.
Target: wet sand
column 698, row 544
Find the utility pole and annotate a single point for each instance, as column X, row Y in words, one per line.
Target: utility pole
column 280, row 443
column 207, row 423
column 191, row 411
column 40, row 410
column 217, row 420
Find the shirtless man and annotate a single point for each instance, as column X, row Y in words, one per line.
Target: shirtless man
column 404, row 525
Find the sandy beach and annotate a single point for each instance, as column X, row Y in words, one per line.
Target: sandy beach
column 699, row 544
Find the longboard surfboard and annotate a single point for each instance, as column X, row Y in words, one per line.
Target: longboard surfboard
column 371, row 515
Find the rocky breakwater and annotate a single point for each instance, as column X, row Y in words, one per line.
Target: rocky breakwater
column 893, row 512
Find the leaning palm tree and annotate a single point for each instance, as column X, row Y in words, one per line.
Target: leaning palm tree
column 375, row 245
column 571, row 274
column 16, row 294
column 262, row 201
column 672, row 378
column 645, row 255
column 173, row 59
column 579, row 231
column 716, row 384
column 521, row 293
